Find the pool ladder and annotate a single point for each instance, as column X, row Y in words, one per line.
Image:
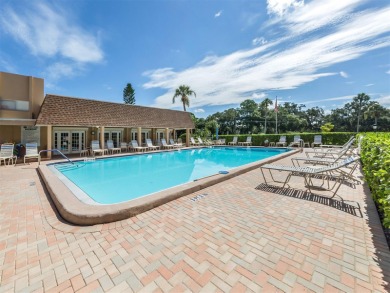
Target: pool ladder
column 58, row 151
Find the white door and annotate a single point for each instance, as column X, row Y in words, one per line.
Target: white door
column 62, row 141
column 78, row 141
column 116, row 138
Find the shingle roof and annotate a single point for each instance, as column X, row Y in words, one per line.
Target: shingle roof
column 69, row 111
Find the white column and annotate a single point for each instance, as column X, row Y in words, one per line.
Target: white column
column 167, row 134
column 188, row 134
column 139, row 136
column 49, row 142
column 102, row 137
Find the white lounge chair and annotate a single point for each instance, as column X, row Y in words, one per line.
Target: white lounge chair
column 317, row 141
column 329, row 173
column 282, row 141
column 111, row 148
column 165, row 145
column 150, row 145
column 124, row 146
column 333, row 146
column 200, row 141
column 234, row 141
column 177, row 145
column 95, row 148
column 32, row 152
column 7, row 153
column 297, row 141
column 193, row 142
column 330, row 152
column 247, row 142
column 136, row 147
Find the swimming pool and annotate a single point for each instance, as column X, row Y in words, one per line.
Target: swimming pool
column 120, row 179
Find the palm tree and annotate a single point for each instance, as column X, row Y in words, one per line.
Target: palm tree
column 358, row 101
column 184, row 91
column 373, row 111
column 264, row 107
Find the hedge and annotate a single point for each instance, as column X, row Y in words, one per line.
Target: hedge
column 375, row 156
column 338, row 138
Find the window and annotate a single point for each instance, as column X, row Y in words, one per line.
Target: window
column 14, row 105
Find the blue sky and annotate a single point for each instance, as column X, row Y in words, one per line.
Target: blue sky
column 318, row 53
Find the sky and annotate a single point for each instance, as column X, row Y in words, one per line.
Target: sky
column 317, row 53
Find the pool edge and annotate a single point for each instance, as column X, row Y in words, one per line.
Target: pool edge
column 79, row 213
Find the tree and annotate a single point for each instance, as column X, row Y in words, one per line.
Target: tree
column 263, row 106
column 373, row 111
column 314, row 117
column 129, row 95
column 327, row 127
column 184, row 92
column 359, row 101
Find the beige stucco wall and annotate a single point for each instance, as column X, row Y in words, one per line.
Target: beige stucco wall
column 21, row 88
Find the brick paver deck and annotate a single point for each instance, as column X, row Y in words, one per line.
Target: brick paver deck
column 239, row 236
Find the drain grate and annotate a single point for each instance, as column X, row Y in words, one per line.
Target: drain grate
column 199, row 196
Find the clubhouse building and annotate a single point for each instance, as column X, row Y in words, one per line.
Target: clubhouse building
column 70, row 124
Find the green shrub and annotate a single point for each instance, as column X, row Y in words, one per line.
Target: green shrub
column 375, row 156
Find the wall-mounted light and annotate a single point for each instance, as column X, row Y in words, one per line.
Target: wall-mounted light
column 92, row 132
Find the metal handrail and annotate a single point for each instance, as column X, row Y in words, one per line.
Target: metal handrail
column 58, row 151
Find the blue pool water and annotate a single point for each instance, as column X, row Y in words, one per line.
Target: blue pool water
column 120, row 179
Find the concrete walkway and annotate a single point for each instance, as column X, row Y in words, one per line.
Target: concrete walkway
column 236, row 236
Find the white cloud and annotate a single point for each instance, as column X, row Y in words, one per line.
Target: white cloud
column 369, row 84
column 344, row 74
column 50, row 32
column 281, row 7
column 388, row 72
column 218, row 14
column 47, row 32
column 277, row 65
column 384, row 101
column 259, row 41
column 199, row 110
column 59, row 69
column 343, row 98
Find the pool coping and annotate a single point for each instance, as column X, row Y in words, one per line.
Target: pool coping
column 79, row 213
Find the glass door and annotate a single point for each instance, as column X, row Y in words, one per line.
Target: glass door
column 78, row 141
column 61, row 141
column 116, row 138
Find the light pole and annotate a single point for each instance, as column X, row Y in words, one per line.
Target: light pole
column 375, row 127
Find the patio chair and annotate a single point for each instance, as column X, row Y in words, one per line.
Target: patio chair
column 324, row 161
column 317, row 141
column 7, row 153
column 200, row 141
column 248, row 141
column 136, row 147
column 222, row 141
column 150, row 145
column 177, row 145
column 318, row 160
column 337, row 146
column 165, row 145
column 193, row 142
column 297, row 141
column 95, row 148
column 111, row 148
column 330, row 153
column 234, row 141
column 124, row 146
column 282, row 141
column 32, row 152
column 329, row 173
